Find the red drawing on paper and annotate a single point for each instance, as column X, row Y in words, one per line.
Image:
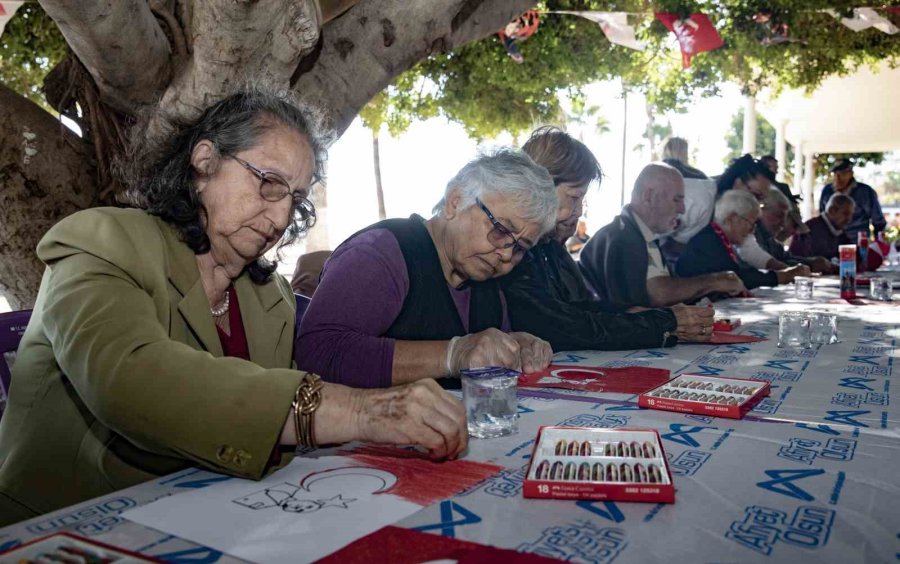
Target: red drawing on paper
column 722, row 338
column 630, row 380
column 420, row 480
column 404, row 546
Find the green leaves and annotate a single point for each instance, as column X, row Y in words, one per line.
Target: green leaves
column 31, row 45
column 480, row 87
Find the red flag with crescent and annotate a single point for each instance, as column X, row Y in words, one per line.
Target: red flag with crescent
column 695, row 33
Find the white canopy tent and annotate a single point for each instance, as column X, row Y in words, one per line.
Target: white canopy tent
column 847, row 114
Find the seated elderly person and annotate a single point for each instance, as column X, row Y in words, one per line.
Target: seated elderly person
column 546, row 293
column 744, row 173
column 712, row 250
column 623, row 261
column 772, row 220
column 867, row 209
column 827, row 232
column 307, row 272
column 161, row 338
column 407, row 299
column 748, row 174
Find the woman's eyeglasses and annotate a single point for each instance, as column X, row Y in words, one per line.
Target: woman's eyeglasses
column 499, row 235
column 272, row 187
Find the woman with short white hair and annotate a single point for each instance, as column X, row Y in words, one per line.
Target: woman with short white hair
column 407, row 299
column 712, row 249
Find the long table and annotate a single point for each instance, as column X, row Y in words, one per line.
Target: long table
column 810, row 474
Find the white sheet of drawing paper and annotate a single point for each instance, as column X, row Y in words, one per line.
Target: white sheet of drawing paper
column 303, row 512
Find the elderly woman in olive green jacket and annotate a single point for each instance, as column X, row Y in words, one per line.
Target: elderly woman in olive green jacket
column 162, row 338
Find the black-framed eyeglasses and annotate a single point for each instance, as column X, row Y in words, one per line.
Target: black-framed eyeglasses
column 272, row 187
column 499, row 235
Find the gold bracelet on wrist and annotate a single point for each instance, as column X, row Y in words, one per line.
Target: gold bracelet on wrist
column 307, row 399
column 295, row 415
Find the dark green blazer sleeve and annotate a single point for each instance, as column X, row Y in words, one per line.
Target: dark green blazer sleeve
column 120, row 374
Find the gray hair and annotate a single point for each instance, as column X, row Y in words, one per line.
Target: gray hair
column 510, row 173
column 776, row 199
column 738, row 202
column 676, row 149
column 162, row 178
column 838, row 200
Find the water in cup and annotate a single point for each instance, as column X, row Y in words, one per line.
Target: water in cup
column 803, row 288
column 823, row 328
column 881, row 289
column 489, row 396
column 793, row 330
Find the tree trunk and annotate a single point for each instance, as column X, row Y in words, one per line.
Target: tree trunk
column 651, row 133
column 379, row 192
column 46, row 173
column 190, row 53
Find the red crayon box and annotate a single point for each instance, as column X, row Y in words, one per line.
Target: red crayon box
column 599, row 464
column 706, row 395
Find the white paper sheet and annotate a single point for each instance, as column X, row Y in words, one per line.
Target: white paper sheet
column 303, row 512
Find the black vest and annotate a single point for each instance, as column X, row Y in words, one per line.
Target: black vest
column 429, row 312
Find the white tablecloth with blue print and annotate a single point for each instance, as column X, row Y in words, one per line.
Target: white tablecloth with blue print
column 810, row 475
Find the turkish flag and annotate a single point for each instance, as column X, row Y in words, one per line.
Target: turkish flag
column 628, row 380
column 695, row 34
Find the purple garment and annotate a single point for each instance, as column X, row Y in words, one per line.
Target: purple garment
column 820, row 241
column 361, row 293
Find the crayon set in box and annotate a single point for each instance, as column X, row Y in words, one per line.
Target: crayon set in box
column 599, row 464
column 706, row 395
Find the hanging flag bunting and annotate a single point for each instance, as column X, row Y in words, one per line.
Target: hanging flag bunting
column 696, row 34
column 518, row 30
column 864, row 18
column 7, row 10
column 770, row 31
column 615, row 27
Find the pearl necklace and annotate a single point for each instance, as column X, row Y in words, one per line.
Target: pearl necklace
column 222, row 309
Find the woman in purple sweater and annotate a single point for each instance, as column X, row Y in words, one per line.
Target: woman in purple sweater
column 407, row 299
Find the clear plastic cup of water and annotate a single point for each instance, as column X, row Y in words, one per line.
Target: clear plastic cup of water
column 803, row 288
column 823, row 328
column 881, row 288
column 489, row 396
column 793, row 330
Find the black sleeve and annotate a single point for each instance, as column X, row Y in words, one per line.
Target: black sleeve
column 706, row 255
column 617, row 267
column 754, row 278
column 576, row 325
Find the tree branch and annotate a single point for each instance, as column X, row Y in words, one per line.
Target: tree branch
column 234, row 41
column 46, row 173
column 121, row 45
column 376, row 40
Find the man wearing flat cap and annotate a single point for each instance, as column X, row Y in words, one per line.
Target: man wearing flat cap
column 868, row 208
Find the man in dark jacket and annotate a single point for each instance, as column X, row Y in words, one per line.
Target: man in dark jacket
column 623, row 261
column 826, row 232
column 772, row 219
column 546, row 293
column 794, row 223
column 712, row 249
column 868, row 208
